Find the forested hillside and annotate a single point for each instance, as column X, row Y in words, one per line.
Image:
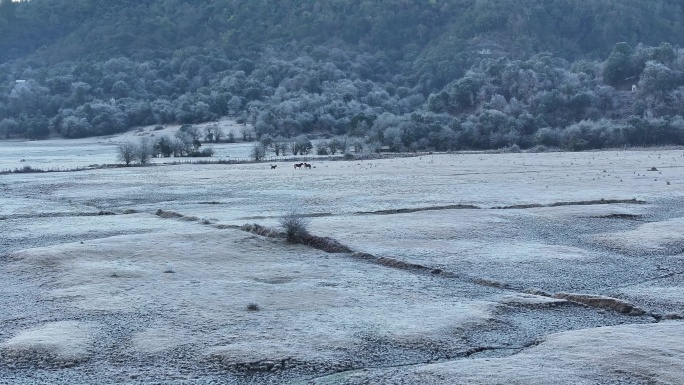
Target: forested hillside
column 407, row 74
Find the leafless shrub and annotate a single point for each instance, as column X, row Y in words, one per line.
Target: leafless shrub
column 295, row 225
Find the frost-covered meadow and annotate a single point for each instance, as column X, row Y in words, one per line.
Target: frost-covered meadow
column 485, row 268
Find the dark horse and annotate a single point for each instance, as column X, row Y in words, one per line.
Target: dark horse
column 298, row 165
column 306, row 165
column 273, row 167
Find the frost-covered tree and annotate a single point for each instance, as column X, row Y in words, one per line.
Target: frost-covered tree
column 127, row 152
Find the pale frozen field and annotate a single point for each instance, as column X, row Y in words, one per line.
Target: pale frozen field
column 610, row 355
column 134, row 297
column 67, row 154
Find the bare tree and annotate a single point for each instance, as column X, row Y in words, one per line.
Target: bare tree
column 280, row 148
column 213, row 133
column 321, row 148
column 144, row 151
column 357, row 144
column 218, row 134
column 208, row 134
column 127, row 152
column 258, row 151
column 247, row 134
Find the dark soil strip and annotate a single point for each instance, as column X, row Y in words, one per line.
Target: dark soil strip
column 473, row 207
column 512, row 207
column 312, row 215
column 417, row 209
column 577, row 203
column 56, row 215
column 632, row 217
column 330, row 245
column 401, row 265
column 326, row 244
column 602, row 302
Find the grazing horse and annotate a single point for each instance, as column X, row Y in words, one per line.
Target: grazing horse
column 273, row 167
column 298, row 165
column 306, row 165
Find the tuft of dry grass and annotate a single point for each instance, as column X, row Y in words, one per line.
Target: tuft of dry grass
column 258, row 229
column 167, row 214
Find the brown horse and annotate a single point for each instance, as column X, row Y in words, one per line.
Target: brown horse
column 306, row 165
column 298, row 165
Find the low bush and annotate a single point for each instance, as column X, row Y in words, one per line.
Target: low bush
column 295, row 226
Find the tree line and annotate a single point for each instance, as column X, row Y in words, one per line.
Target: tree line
column 394, row 75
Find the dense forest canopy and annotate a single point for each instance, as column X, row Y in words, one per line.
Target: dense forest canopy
column 403, row 74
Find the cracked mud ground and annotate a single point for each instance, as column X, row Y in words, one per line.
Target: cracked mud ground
column 519, row 268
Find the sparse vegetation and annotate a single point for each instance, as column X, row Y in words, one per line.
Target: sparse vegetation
column 26, row 169
column 295, row 225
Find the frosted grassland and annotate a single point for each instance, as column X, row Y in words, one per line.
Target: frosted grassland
column 466, row 268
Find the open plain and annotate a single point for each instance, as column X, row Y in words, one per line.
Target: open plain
column 533, row 268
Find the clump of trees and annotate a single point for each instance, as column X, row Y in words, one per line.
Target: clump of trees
column 181, row 145
column 129, row 152
column 540, row 100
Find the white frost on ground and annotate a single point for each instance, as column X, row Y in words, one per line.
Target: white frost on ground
column 653, row 236
column 161, row 337
column 63, row 341
column 31, row 206
column 650, row 353
column 199, row 284
column 443, row 238
column 672, row 295
column 184, row 284
column 87, row 226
